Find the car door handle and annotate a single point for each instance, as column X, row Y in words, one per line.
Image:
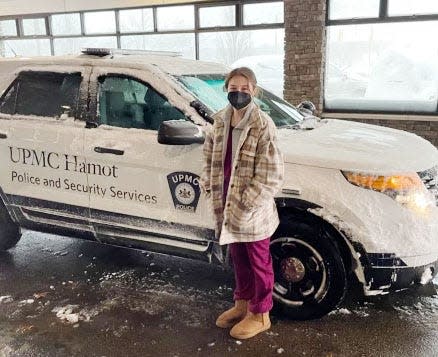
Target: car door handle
column 3, row 136
column 102, row 150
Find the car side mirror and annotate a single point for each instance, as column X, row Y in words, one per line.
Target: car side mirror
column 66, row 110
column 307, row 108
column 179, row 132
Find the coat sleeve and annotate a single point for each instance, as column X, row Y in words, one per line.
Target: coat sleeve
column 268, row 170
column 205, row 180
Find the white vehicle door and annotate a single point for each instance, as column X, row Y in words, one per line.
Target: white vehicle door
column 42, row 148
column 149, row 191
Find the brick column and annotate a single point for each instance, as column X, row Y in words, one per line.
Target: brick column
column 305, row 44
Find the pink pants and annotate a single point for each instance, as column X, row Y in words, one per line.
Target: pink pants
column 254, row 274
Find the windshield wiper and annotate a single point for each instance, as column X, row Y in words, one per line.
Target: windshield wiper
column 308, row 123
column 202, row 110
column 289, row 126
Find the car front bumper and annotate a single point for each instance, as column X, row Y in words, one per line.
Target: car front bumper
column 391, row 274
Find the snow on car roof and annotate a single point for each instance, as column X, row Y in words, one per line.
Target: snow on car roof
column 169, row 64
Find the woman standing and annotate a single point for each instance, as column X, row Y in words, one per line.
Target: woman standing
column 243, row 170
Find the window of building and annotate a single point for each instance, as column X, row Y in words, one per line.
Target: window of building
column 385, row 66
column 181, row 43
column 136, row 20
column 217, row 16
column 73, row 45
column 198, row 31
column 347, row 9
column 34, row 47
column 171, row 18
column 8, row 28
column 66, row 24
column 45, row 94
column 128, row 103
column 260, row 50
column 409, row 7
column 34, row 27
column 264, row 13
column 100, row 22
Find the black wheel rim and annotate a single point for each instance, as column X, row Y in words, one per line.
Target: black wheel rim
column 300, row 272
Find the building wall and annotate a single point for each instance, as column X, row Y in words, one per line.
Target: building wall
column 305, row 48
column 304, row 23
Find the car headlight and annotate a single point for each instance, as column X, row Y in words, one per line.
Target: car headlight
column 407, row 189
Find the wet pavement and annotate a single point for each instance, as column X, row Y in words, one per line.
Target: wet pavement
column 67, row 297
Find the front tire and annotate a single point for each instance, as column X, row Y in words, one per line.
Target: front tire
column 310, row 276
column 9, row 232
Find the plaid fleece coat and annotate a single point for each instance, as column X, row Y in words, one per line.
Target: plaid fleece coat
column 250, row 213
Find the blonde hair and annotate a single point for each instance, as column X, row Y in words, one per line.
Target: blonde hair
column 244, row 72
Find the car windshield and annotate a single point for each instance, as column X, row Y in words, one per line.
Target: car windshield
column 208, row 89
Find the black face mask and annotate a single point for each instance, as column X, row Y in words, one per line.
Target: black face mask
column 239, row 100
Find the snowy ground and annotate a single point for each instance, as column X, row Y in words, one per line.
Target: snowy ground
column 65, row 297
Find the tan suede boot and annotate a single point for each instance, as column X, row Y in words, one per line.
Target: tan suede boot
column 232, row 316
column 251, row 325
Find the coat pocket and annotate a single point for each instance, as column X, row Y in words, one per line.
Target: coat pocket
column 241, row 218
column 246, row 165
column 241, row 221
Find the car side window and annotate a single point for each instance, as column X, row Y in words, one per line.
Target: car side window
column 127, row 103
column 46, row 94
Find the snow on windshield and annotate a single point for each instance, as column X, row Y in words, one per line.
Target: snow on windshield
column 209, row 89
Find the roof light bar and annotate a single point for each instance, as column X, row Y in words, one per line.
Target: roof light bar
column 102, row 52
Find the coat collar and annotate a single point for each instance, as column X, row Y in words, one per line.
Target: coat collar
column 249, row 119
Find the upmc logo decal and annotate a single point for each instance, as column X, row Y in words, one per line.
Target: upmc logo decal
column 185, row 190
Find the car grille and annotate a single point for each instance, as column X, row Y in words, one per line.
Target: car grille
column 430, row 180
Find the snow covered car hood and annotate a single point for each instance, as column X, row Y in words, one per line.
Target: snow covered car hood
column 347, row 145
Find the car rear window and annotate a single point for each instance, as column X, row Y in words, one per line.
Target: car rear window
column 46, row 94
column 128, row 103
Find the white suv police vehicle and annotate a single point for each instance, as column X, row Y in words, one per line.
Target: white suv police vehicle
column 108, row 147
